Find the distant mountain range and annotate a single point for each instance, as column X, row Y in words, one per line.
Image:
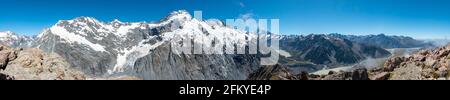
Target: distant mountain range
column 12, row 39
column 313, row 50
column 385, row 41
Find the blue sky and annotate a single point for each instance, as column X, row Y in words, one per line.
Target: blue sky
column 417, row 18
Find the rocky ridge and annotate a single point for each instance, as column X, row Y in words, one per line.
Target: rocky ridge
column 423, row 65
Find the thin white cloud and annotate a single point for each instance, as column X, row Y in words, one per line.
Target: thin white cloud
column 241, row 4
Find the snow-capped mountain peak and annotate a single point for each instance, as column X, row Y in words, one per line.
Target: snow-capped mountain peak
column 85, row 20
column 72, row 37
column 12, row 39
column 180, row 14
column 176, row 17
column 8, row 34
column 115, row 47
column 116, row 23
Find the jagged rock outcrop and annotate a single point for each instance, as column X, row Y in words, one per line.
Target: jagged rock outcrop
column 34, row 64
column 424, row 65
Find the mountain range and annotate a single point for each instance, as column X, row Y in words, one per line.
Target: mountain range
column 385, row 41
column 143, row 50
column 310, row 51
column 12, row 39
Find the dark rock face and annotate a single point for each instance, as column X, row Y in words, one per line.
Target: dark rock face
column 163, row 64
column 91, row 62
column 304, row 76
column 360, row 74
column 5, row 77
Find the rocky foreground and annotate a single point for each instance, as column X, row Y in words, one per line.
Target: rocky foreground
column 33, row 64
column 423, row 65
